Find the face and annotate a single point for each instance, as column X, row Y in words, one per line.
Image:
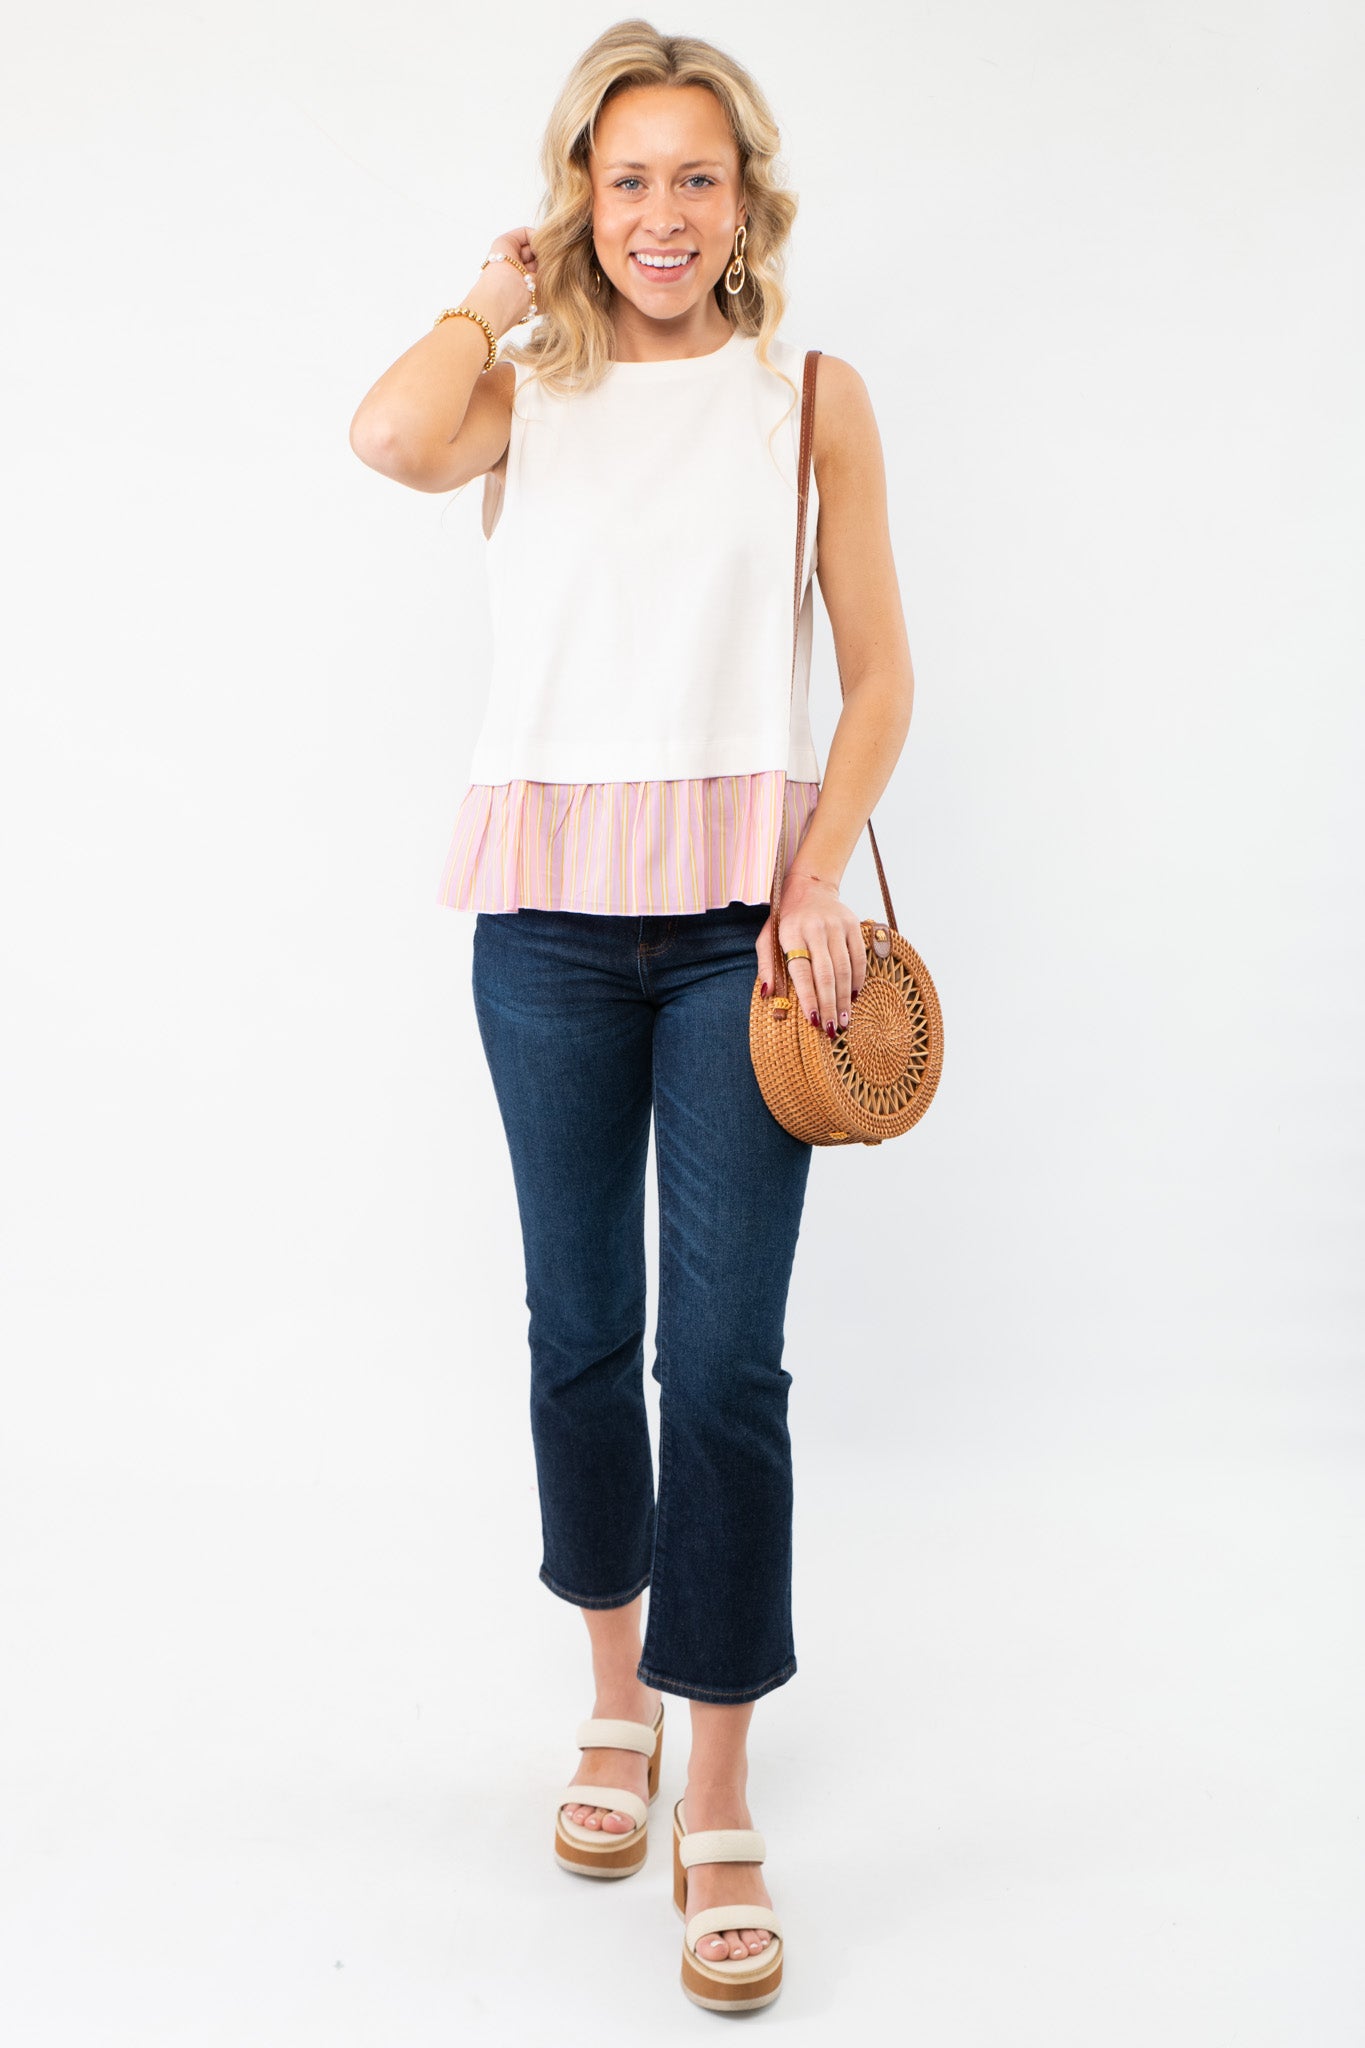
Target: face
column 665, row 180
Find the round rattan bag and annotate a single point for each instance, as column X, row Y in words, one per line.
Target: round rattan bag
column 873, row 1079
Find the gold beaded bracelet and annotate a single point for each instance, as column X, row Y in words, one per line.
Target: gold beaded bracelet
column 469, row 313
column 499, row 256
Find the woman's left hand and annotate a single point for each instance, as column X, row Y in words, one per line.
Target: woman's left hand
column 811, row 914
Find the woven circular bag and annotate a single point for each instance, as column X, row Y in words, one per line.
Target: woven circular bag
column 873, row 1079
column 877, row 1076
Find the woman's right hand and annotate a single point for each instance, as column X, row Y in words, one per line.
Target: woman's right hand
column 502, row 287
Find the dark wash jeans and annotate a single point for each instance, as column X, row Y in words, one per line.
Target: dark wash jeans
column 590, row 1022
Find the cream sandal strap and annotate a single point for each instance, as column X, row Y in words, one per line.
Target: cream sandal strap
column 722, row 1845
column 614, row 1797
column 603, row 1734
column 715, row 1919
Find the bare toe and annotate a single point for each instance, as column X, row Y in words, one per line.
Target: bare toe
column 751, row 1939
column 727, row 1944
column 617, row 1823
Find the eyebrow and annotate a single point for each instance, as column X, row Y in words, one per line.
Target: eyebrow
column 698, row 163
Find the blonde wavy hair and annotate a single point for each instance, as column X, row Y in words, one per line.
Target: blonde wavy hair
column 573, row 346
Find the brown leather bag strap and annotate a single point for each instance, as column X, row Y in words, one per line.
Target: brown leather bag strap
column 803, row 478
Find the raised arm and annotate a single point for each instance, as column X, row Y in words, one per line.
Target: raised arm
column 434, row 420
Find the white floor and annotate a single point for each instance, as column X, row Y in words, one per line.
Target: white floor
column 1072, row 1757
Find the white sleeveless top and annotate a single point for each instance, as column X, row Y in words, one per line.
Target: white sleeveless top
column 640, row 558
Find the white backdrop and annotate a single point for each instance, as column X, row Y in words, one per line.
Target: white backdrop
column 1076, row 1363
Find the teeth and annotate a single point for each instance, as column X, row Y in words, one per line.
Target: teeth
column 662, row 262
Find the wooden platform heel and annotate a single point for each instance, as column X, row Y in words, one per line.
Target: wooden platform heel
column 739, row 1983
column 589, row 1852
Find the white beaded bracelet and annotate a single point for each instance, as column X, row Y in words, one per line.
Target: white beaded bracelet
column 501, row 256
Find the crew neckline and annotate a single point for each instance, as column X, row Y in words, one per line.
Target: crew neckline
column 685, row 363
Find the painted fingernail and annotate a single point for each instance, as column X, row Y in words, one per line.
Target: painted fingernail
column 830, row 1029
column 843, row 1018
column 765, row 988
column 814, row 1017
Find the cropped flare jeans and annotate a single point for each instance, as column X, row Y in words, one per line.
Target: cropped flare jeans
column 591, row 1023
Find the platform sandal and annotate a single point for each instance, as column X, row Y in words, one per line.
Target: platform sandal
column 737, row 1983
column 591, row 1852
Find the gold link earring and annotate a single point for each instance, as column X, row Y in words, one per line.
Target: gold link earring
column 737, row 262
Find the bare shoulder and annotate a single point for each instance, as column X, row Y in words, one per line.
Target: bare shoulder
column 502, row 379
column 845, row 435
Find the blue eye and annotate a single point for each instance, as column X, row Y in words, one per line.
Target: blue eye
column 691, row 181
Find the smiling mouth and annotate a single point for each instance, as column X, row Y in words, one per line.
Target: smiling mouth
column 663, row 269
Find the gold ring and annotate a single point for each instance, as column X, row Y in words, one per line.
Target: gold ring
column 797, row 953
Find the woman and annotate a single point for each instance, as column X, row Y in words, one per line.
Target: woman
column 643, row 740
